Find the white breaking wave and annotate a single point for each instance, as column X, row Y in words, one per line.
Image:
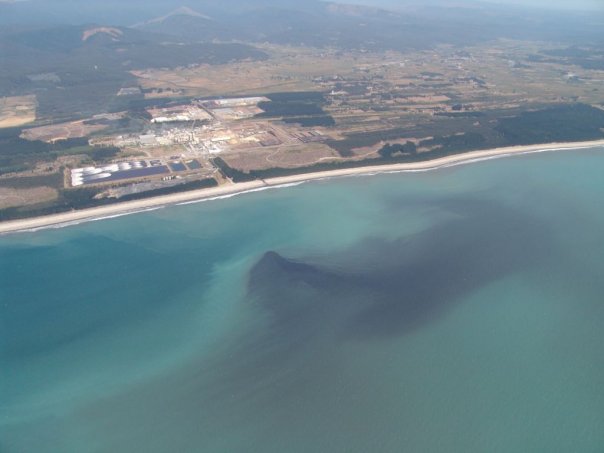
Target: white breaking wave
column 243, row 192
column 60, row 225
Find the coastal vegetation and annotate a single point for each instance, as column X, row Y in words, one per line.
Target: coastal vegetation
column 468, row 141
column 561, row 123
column 54, row 180
column 388, row 150
column 303, row 108
column 558, row 123
column 88, row 197
column 18, row 154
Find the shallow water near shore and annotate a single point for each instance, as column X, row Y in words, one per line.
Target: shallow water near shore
column 455, row 310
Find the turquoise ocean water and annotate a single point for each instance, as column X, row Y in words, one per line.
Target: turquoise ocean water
column 458, row 310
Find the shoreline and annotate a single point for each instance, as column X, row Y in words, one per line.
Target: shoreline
column 147, row 204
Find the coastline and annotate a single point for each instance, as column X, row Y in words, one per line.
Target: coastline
column 147, row 204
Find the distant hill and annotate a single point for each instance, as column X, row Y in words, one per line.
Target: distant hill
column 189, row 24
column 388, row 24
column 127, row 47
column 400, row 26
column 182, row 11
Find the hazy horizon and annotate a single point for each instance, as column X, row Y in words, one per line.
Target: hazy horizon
column 547, row 4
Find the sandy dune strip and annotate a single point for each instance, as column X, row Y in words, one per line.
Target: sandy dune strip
column 117, row 209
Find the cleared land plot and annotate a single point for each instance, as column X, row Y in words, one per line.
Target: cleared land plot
column 289, row 69
column 17, row 111
column 12, row 197
column 63, row 131
column 287, row 157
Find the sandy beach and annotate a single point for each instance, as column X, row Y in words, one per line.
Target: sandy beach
column 117, row 209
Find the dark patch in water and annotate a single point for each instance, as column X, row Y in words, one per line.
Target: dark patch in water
column 299, row 298
column 382, row 288
column 293, row 278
